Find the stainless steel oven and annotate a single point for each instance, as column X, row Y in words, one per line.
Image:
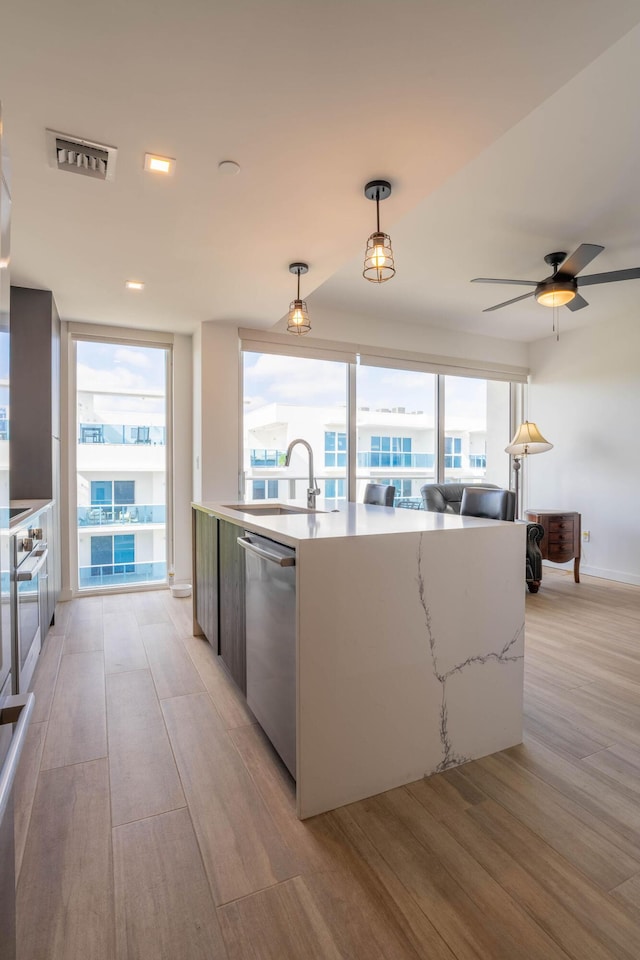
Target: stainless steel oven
column 29, row 566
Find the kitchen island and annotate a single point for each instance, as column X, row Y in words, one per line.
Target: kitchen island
column 409, row 639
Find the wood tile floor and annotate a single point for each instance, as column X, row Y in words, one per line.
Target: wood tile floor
column 153, row 820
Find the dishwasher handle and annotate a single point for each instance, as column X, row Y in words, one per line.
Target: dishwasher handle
column 264, row 554
column 16, row 710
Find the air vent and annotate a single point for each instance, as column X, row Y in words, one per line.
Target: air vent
column 81, row 156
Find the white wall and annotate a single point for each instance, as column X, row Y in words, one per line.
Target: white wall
column 585, row 398
column 217, row 395
column 333, row 324
column 182, row 454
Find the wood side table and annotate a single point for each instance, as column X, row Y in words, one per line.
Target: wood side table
column 562, row 536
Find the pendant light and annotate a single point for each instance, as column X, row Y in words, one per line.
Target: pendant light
column 378, row 259
column 298, row 318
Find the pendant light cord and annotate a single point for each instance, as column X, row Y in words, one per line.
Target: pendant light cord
column 378, row 208
column 298, row 272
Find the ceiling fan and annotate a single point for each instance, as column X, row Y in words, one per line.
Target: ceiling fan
column 561, row 288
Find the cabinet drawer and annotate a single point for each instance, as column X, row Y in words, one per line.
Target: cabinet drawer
column 560, row 526
column 561, row 537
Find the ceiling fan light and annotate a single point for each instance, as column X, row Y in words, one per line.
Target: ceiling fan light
column 556, row 293
column 298, row 318
column 378, row 258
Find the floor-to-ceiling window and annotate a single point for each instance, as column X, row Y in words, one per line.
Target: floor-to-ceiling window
column 406, row 425
column 286, row 398
column 396, row 429
column 121, row 463
column 476, row 422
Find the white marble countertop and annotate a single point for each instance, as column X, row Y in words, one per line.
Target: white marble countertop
column 339, row 519
column 30, row 509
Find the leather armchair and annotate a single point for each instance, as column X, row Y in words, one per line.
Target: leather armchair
column 491, row 501
column 447, row 497
column 535, row 533
column 379, row 494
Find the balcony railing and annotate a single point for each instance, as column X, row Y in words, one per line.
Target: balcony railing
column 119, row 433
column 267, row 458
column 115, row 514
column 390, row 458
column 102, row 575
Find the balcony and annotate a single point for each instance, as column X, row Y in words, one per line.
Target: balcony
column 117, row 514
column 397, row 459
column 102, row 575
column 267, row 458
column 121, row 433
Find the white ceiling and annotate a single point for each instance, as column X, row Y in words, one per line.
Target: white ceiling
column 508, row 128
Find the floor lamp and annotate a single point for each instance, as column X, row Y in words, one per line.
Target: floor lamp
column 527, row 441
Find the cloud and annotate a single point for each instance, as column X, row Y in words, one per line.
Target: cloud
column 135, row 357
column 119, row 378
column 273, row 378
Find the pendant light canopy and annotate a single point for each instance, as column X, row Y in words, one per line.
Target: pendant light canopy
column 298, row 319
column 378, row 258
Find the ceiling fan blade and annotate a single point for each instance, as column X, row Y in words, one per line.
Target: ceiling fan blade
column 579, row 259
column 577, row 303
column 507, row 302
column 633, row 273
column 522, row 283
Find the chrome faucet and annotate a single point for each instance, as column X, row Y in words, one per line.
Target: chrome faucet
column 313, row 490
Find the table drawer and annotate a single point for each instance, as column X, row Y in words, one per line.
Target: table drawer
column 561, row 526
column 566, row 537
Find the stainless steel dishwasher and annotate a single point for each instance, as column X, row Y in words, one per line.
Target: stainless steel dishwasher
column 271, row 641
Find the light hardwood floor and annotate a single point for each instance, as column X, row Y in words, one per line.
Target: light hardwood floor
column 154, row 821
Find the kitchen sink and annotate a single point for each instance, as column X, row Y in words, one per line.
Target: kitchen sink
column 267, row 509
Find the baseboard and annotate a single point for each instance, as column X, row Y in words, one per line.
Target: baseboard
column 620, row 576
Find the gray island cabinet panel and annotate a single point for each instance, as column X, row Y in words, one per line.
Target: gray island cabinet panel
column 205, row 539
column 232, row 608
column 218, row 578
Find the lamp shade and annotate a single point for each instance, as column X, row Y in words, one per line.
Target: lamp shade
column 527, row 441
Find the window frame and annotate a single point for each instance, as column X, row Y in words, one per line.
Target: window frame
column 73, row 333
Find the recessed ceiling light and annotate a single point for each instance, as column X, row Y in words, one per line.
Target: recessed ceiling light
column 134, row 285
column 229, row 167
column 159, row 164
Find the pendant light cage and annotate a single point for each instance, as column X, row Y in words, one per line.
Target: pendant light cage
column 378, row 258
column 298, row 321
